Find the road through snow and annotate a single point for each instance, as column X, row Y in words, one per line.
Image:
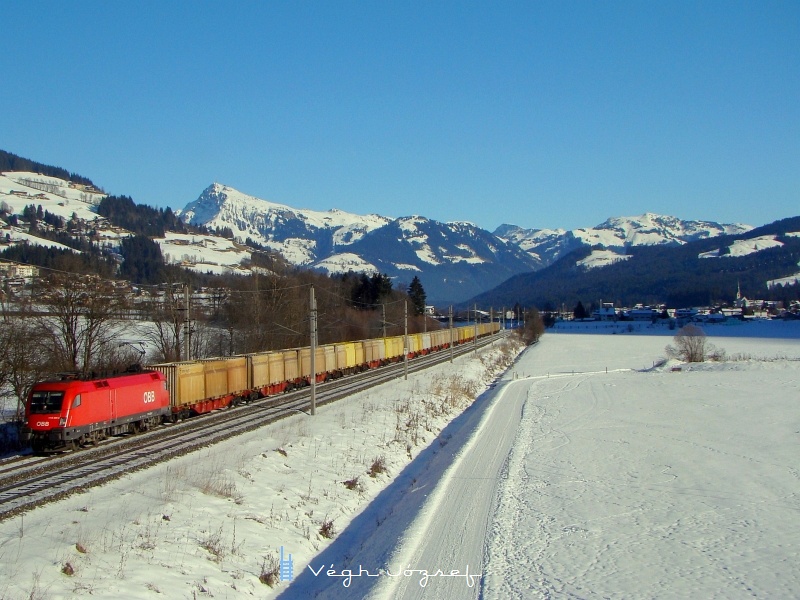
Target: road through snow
column 432, row 519
column 450, row 532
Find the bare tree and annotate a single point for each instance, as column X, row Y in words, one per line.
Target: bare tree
column 690, row 344
column 534, row 327
column 24, row 358
column 167, row 316
column 81, row 319
column 268, row 313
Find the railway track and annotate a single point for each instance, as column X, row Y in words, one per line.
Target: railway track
column 26, row 482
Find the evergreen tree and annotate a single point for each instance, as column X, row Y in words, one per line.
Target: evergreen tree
column 143, row 260
column 139, row 218
column 12, row 162
column 580, row 311
column 417, row 294
column 368, row 292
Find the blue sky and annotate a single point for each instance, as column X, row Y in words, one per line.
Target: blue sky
column 540, row 114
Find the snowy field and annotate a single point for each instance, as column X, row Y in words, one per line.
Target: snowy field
column 655, row 484
column 585, row 472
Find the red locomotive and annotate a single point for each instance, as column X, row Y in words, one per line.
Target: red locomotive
column 71, row 412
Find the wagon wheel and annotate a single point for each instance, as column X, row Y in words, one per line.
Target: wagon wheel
column 135, row 428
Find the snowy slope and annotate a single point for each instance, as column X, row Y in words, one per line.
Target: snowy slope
column 204, row 253
column 344, row 262
column 53, row 194
column 15, row 235
column 650, row 229
column 601, row 258
column 302, row 236
column 650, row 485
column 745, row 247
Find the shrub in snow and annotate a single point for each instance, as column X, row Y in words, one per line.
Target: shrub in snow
column 354, row 484
column 269, row 571
column 327, row 529
column 378, row 466
column 690, row 344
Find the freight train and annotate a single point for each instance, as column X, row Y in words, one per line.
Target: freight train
column 70, row 412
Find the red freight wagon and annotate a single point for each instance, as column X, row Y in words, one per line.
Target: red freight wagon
column 71, row 412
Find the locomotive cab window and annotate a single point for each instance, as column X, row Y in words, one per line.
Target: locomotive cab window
column 46, row 402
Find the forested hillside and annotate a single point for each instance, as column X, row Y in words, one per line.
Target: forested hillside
column 12, row 162
column 141, row 219
column 675, row 275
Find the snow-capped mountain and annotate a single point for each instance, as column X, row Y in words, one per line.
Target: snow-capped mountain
column 548, row 245
column 303, row 237
column 454, row 261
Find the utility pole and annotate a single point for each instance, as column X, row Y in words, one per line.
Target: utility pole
column 383, row 318
column 475, row 340
column 313, row 381
column 405, row 340
column 451, row 333
column 187, row 324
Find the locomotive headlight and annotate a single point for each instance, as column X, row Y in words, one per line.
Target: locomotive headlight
column 62, row 422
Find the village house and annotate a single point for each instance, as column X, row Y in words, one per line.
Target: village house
column 13, row 270
column 606, row 312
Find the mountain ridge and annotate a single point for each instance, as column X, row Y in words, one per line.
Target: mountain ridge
column 458, row 258
column 763, row 263
column 455, row 260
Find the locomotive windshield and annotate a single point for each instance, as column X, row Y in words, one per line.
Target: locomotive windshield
column 46, row 402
